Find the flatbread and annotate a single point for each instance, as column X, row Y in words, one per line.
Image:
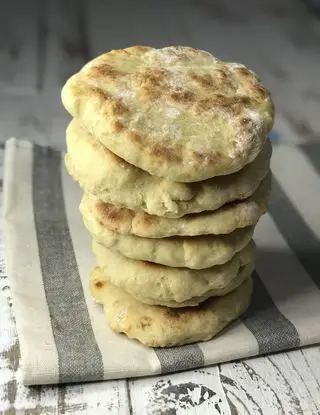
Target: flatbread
column 173, row 287
column 112, row 180
column 157, row 326
column 222, row 221
column 194, row 252
column 175, row 112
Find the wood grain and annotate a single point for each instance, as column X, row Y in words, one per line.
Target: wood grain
column 196, row 391
column 273, row 382
column 44, row 42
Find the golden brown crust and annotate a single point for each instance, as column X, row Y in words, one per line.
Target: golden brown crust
column 232, row 215
column 111, row 179
column 104, row 70
column 176, row 112
column 170, row 286
column 159, row 326
column 112, row 214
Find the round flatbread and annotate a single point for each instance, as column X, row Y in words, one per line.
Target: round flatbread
column 173, row 287
column 175, row 112
column 99, row 215
column 195, row 252
column 112, row 180
column 157, row 326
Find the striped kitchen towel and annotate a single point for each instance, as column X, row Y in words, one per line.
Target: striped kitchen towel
column 63, row 334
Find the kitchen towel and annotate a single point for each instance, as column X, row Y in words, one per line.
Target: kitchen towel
column 62, row 332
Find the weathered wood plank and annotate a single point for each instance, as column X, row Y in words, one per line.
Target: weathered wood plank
column 283, row 382
column 59, row 49
column 19, row 47
column 117, row 24
column 190, row 392
column 67, row 43
column 312, row 358
column 67, row 49
column 94, row 398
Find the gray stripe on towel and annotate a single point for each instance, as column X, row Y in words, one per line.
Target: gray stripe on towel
column 302, row 241
column 178, row 358
column 79, row 356
column 272, row 330
column 312, row 151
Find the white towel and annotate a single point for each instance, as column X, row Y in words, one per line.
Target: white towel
column 63, row 334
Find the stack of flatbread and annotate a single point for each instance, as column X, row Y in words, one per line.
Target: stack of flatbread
column 171, row 149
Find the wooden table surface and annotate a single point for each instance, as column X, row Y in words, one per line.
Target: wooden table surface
column 42, row 42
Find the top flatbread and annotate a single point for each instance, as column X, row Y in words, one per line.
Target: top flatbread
column 113, row 180
column 175, row 112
